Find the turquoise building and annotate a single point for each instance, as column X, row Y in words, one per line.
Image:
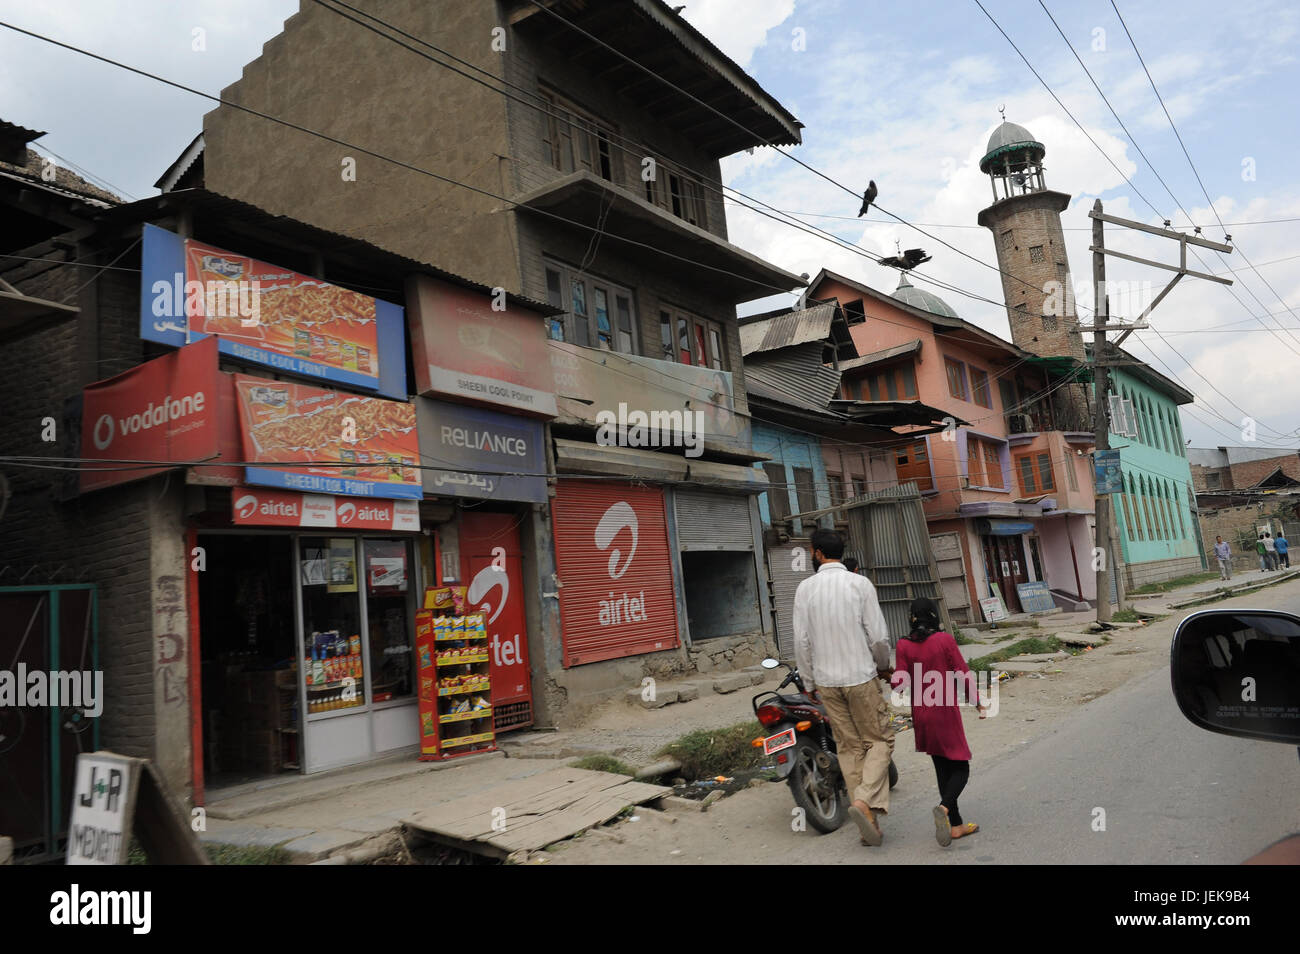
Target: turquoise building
column 1156, row 514
column 797, row 473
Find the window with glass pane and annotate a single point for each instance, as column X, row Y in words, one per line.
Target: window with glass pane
column 909, row 381
column 684, row 340
column 956, row 378
column 701, row 352
column 1027, row 485
column 715, row 340
column 624, row 307
column 980, row 380
column 333, row 665
column 1045, row 472
column 389, row 581
column 604, row 331
column 666, row 334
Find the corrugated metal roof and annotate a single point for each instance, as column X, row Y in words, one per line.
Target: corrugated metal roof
column 795, row 377
column 789, row 328
column 877, row 356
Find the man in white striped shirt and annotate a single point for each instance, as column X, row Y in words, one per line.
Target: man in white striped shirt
column 841, row 646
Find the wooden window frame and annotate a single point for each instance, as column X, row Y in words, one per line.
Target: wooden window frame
column 584, row 329
column 570, row 130
column 678, row 191
column 979, row 379
column 713, row 335
column 911, row 461
column 949, row 364
column 805, row 489
column 1036, row 460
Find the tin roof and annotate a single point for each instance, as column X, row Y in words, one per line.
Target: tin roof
column 790, row 327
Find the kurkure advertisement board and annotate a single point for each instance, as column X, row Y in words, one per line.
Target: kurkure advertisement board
column 298, row 437
column 163, row 410
column 269, row 315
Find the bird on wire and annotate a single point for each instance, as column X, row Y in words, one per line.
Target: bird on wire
column 867, row 198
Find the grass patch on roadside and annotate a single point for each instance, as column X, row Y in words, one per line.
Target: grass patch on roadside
column 1164, row 586
column 706, row 753
column 1129, row 615
column 964, row 640
column 1032, row 645
column 603, row 763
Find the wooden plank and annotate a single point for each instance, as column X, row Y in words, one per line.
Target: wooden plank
column 538, row 811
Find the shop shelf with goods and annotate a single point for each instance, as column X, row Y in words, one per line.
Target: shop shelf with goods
column 455, row 687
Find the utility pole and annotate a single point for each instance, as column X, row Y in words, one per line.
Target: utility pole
column 1106, row 355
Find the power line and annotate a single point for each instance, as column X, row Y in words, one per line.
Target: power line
column 1106, row 156
column 1195, row 171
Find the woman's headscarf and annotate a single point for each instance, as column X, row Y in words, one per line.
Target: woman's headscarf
column 924, row 615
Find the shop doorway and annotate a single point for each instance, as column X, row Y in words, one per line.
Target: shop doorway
column 1005, row 564
column 248, row 646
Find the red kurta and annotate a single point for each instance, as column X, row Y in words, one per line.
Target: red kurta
column 938, row 678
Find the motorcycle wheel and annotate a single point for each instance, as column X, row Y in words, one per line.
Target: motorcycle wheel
column 893, row 774
column 818, row 789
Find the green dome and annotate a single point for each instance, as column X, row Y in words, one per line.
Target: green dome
column 922, row 299
column 1010, row 137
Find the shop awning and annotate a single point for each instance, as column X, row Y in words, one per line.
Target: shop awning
column 582, row 457
column 1006, row 528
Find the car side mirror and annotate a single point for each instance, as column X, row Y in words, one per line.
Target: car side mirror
column 1238, row 672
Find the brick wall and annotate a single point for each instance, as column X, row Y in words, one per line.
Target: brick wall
column 1202, row 478
column 102, row 538
column 1251, row 472
column 1237, row 526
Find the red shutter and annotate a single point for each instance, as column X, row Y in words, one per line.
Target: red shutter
column 616, row 600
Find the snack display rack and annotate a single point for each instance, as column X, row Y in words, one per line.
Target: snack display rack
column 455, row 688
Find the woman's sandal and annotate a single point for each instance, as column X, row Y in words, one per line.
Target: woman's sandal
column 942, row 830
column 966, row 830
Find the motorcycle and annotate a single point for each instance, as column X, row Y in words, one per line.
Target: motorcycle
column 804, row 747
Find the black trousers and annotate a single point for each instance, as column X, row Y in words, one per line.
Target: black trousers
column 953, row 776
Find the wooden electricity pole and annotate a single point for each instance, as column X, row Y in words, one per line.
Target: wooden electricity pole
column 1106, row 355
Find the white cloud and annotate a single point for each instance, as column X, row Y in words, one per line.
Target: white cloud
column 737, row 27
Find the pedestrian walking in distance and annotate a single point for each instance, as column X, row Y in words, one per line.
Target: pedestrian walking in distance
column 931, row 666
column 1283, row 551
column 1270, row 551
column 842, row 649
column 1223, row 553
column 1259, row 548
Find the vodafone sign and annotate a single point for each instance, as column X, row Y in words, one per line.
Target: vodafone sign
column 261, row 507
column 162, row 410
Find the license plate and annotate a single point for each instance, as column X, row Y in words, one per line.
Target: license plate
column 775, row 743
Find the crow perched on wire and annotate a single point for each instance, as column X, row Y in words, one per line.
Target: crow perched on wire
column 867, row 198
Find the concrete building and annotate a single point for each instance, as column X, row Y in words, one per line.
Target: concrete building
column 1242, row 492
column 1007, row 479
column 1156, row 515
column 559, row 169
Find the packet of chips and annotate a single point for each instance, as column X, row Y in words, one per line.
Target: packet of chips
column 459, row 602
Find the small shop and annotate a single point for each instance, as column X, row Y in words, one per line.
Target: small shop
column 615, row 569
column 720, row 542
column 305, row 620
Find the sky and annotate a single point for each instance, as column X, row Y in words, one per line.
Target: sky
column 903, row 95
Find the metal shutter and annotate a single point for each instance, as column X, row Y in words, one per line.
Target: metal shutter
column 785, row 580
column 713, row 521
column 586, row 571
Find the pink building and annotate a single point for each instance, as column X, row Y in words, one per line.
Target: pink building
column 1014, row 486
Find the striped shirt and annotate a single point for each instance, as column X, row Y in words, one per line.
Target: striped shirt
column 840, row 635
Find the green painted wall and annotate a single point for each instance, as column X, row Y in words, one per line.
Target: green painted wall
column 1154, row 515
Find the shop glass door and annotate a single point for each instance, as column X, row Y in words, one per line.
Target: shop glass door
column 333, row 662
column 390, row 588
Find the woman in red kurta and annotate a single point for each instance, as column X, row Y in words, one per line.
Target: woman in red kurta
column 928, row 662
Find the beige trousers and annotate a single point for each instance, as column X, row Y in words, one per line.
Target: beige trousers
column 864, row 740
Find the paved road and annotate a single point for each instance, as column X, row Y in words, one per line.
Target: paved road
column 1171, row 794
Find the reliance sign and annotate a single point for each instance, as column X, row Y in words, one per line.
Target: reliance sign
column 162, row 410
